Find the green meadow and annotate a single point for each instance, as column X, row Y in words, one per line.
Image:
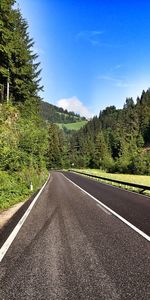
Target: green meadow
column 72, row 126
column 139, row 179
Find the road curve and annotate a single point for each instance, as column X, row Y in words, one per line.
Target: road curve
column 70, row 248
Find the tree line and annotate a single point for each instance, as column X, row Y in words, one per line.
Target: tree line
column 25, row 138
column 118, row 140
column 54, row 114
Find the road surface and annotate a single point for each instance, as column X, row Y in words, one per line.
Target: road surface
column 134, row 207
column 71, row 248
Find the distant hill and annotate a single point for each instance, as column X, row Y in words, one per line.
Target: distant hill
column 72, row 126
column 58, row 115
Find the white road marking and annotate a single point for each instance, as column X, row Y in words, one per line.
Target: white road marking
column 105, row 210
column 147, row 237
column 13, row 234
column 111, row 185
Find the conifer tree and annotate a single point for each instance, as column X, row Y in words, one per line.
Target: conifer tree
column 6, row 29
column 55, row 147
column 101, row 157
column 18, row 62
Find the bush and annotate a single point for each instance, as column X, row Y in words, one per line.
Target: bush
column 140, row 164
column 11, row 190
column 15, row 187
column 23, row 145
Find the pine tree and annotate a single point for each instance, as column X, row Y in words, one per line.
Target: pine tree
column 18, row 62
column 143, row 109
column 101, row 156
column 6, row 29
column 55, row 147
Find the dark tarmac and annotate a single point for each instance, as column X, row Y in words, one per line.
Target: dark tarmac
column 71, row 248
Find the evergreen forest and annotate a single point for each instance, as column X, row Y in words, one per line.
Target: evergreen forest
column 58, row 115
column 118, row 140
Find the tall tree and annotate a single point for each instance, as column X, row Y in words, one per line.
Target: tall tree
column 6, row 29
column 55, row 147
column 18, row 62
column 101, row 155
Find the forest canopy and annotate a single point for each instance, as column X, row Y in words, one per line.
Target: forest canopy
column 118, row 140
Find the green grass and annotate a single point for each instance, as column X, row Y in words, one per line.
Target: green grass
column 139, row 179
column 72, row 126
column 15, row 187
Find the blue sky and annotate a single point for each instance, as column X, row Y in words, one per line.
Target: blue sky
column 93, row 53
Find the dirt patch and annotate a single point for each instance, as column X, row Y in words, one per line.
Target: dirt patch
column 6, row 215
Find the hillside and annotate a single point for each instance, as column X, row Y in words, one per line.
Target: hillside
column 117, row 141
column 72, row 126
column 58, row 115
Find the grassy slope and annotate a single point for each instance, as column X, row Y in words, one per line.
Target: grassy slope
column 66, row 115
column 73, row 126
column 16, row 187
column 139, row 179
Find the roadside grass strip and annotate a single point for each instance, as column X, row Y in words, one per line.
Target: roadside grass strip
column 137, row 179
column 13, row 234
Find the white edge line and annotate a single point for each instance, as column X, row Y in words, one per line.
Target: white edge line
column 113, row 212
column 13, row 234
column 102, row 208
column 111, row 185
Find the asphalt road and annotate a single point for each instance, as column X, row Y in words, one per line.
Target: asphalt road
column 134, row 207
column 70, row 248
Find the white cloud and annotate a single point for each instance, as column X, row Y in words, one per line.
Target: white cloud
column 74, row 104
column 92, row 36
column 117, row 82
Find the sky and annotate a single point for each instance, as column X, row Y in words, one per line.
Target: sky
column 93, row 53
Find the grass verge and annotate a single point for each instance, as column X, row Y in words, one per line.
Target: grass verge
column 139, row 179
column 15, row 187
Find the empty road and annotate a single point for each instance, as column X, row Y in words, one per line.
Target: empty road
column 70, row 247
